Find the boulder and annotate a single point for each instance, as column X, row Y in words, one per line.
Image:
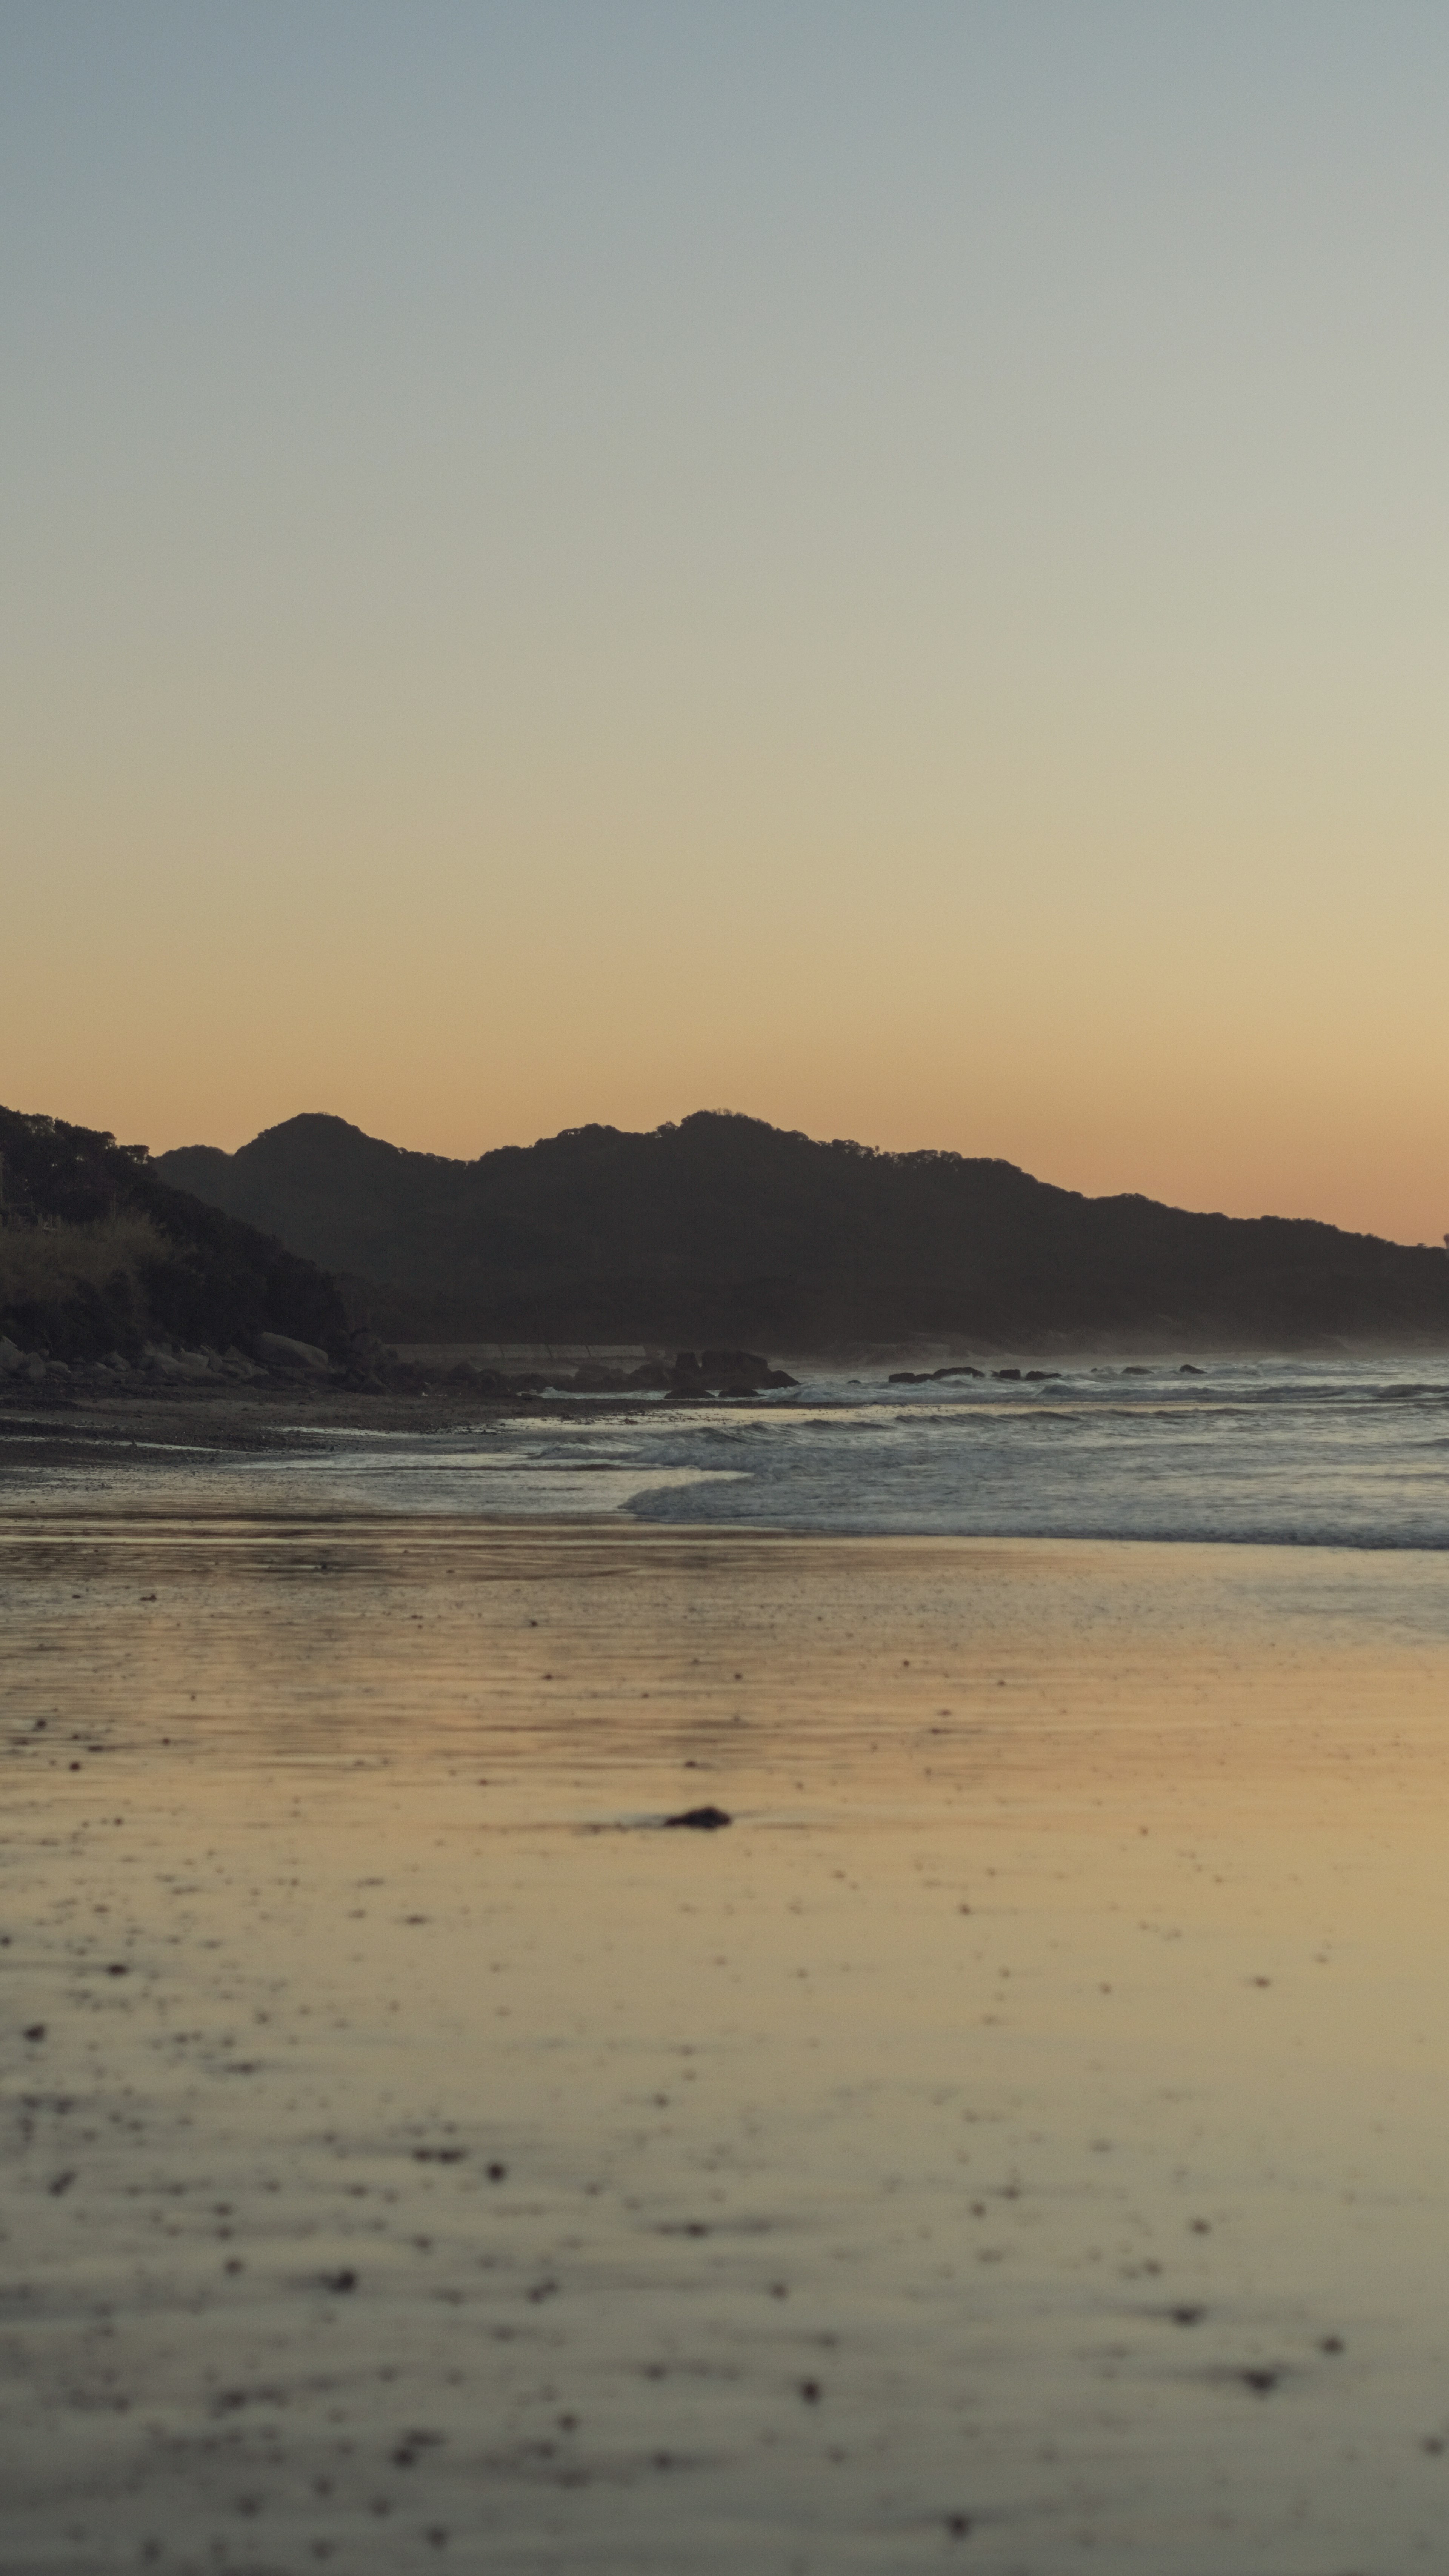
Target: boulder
column 12, row 1356
column 742, row 1368
column 280, row 1351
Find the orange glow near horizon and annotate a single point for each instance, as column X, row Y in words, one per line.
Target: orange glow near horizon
column 557, row 578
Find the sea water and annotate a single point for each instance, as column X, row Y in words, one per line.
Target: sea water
column 1344, row 1453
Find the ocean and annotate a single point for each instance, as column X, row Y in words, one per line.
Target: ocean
column 1323, row 1453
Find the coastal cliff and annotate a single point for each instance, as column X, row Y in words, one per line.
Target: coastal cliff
column 101, row 1253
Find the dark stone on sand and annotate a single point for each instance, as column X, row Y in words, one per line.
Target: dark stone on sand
column 703, row 1820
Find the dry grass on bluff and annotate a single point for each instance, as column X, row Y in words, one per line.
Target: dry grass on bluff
column 40, row 1264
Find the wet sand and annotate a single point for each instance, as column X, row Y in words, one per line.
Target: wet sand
column 1016, row 2143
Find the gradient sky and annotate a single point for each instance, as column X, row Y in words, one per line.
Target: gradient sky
column 883, row 566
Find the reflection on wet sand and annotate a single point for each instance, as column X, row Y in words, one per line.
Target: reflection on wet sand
column 1016, row 2141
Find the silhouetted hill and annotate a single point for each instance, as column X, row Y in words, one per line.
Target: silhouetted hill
column 725, row 1229
column 182, row 1269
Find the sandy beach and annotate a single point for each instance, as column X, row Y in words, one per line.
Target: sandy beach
column 1015, row 2142
column 724, row 1290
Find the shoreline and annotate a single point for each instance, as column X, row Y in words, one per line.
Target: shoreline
column 1026, row 2115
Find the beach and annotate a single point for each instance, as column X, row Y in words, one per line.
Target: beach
column 724, row 1291
column 1015, row 2141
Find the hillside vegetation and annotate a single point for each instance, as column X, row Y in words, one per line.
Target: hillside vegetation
column 99, row 1251
column 38, row 1265
column 725, row 1229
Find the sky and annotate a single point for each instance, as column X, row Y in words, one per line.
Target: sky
column 882, row 566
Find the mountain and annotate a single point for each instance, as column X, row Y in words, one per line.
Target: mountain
column 725, row 1229
column 100, row 1250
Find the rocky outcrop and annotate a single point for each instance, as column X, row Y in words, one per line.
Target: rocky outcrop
column 725, row 1373
column 705, row 1375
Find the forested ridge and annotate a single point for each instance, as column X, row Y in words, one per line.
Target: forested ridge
column 724, row 1228
column 100, row 1250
